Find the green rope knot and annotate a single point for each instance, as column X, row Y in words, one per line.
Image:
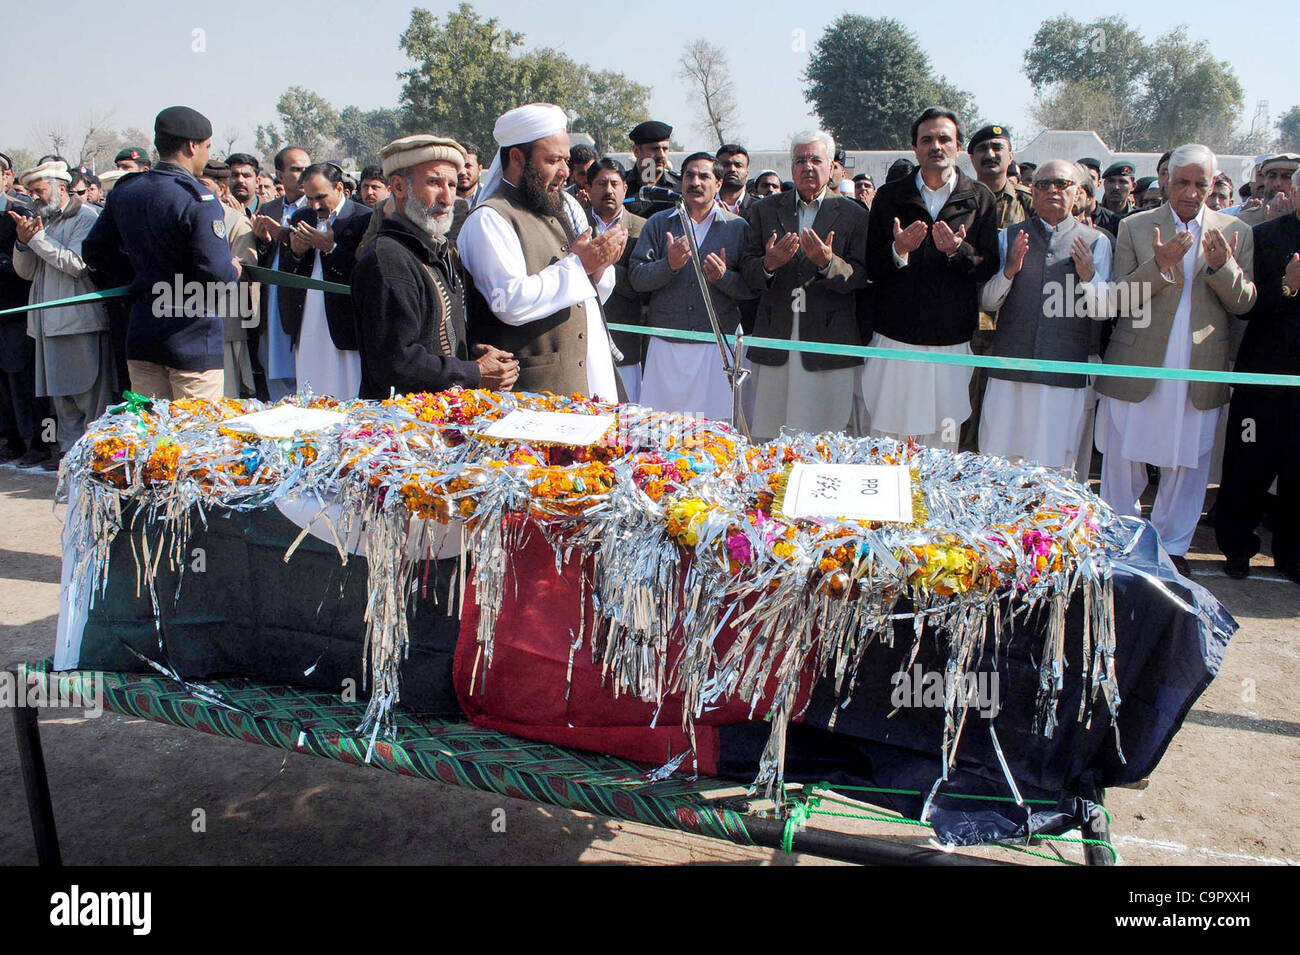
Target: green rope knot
column 134, row 403
column 796, row 819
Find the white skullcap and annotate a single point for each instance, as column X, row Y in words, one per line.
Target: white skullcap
column 53, row 169
column 846, row 187
column 421, row 148
column 523, row 124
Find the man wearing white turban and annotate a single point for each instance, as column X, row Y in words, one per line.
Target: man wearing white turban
column 539, row 275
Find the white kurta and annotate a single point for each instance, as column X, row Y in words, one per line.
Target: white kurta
column 493, row 255
column 275, row 347
column 1164, row 429
column 1036, row 422
column 325, row 368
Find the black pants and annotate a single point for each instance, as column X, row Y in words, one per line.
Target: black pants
column 1263, row 443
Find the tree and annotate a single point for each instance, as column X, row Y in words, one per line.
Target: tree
column 363, row 133
column 231, row 136
column 1190, row 96
column 1107, row 53
column 468, row 71
column 1288, row 130
column 463, row 77
column 868, row 79
column 307, row 120
column 1086, row 104
column 704, row 67
column 1137, row 95
column 24, row 159
column 611, row 104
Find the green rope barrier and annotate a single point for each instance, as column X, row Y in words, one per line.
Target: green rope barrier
column 979, row 361
column 290, row 280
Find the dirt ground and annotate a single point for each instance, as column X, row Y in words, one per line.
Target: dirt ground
column 125, row 790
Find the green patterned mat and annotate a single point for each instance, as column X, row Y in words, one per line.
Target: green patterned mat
column 456, row 753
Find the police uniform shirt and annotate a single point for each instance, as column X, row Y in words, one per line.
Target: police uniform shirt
column 170, row 229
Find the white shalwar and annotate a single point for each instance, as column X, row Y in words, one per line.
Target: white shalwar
column 493, row 255
column 925, row 402
column 326, row 369
column 793, row 396
column 1163, row 430
column 1028, row 421
column 687, row 377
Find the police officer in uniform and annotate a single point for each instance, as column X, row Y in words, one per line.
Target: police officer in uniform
column 163, row 227
column 650, row 142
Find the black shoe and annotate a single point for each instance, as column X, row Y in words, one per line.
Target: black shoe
column 33, row 457
column 51, row 463
column 1181, row 565
column 1237, row 569
column 9, row 453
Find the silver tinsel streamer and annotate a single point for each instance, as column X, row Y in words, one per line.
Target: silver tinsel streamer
column 664, row 610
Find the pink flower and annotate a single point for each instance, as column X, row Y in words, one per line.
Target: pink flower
column 740, row 549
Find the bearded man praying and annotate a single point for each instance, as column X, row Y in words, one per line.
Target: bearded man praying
column 539, row 275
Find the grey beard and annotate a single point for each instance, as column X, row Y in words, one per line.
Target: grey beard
column 537, row 197
column 433, row 220
column 47, row 210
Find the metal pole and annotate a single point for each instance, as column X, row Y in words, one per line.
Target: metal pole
column 27, row 732
column 732, row 362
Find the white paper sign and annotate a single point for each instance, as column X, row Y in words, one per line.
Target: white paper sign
column 285, row 421
column 551, row 427
column 864, row 492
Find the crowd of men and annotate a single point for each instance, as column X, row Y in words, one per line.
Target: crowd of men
column 503, row 269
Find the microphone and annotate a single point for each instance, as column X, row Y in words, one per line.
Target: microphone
column 658, row 194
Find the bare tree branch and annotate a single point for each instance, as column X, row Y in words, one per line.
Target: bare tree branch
column 704, row 66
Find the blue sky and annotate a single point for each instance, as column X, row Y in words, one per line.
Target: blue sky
column 139, row 56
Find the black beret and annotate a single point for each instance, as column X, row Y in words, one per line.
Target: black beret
column 1013, row 170
column 651, row 131
column 1091, row 163
column 864, row 177
column 181, row 122
column 899, row 169
column 988, row 132
column 1118, row 169
column 132, row 154
column 840, row 156
column 216, row 169
column 1143, row 184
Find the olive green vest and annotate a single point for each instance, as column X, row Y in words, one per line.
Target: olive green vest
column 552, row 351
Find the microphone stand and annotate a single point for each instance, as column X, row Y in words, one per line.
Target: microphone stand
column 732, row 362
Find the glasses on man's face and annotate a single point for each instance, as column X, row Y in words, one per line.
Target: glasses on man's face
column 78, row 192
column 1061, row 184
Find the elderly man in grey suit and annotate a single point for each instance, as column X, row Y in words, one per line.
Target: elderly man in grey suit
column 806, row 257
column 1184, row 269
column 74, row 360
column 680, row 375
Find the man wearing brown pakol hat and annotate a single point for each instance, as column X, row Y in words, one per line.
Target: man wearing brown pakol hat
column 408, row 288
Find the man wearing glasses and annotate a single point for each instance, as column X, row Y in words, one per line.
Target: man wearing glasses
column 1049, row 296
